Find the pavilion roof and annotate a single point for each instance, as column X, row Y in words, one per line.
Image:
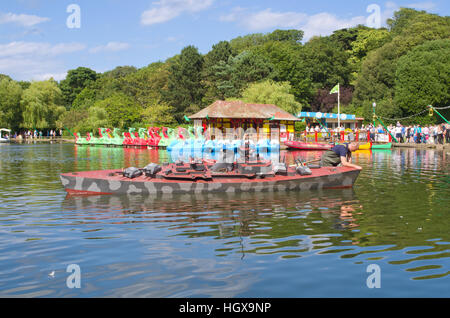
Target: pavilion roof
column 241, row 110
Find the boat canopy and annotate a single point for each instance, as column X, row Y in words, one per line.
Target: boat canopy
column 326, row 116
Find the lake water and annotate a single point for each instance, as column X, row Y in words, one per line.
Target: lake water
column 312, row 244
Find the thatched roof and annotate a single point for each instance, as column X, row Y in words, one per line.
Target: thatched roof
column 241, row 110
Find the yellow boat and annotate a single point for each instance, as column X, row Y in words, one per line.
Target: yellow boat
column 366, row 146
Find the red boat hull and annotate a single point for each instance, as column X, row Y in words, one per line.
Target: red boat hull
column 109, row 182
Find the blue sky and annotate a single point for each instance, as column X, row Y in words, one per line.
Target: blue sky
column 36, row 42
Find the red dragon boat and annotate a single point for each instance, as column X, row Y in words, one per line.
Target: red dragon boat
column 207, row 177
column 307, row 146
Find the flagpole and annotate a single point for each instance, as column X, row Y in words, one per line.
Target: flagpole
column 339, row 107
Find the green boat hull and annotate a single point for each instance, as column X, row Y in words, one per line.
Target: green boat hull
column 382, row 146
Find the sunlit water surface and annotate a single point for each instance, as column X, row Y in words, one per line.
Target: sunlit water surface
column 289, row 244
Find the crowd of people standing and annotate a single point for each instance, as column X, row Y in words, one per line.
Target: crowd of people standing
column 37, row 134
column 427, row 134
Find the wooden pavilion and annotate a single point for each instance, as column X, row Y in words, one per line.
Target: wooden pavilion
column 269, row 121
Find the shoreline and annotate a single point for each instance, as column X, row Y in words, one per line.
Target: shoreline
column 421, row 146
column 282, row 146
column 35, row 140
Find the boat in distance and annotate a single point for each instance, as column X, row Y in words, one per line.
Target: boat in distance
column 204, row 177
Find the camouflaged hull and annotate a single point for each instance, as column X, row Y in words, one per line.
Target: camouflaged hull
column 105, row 182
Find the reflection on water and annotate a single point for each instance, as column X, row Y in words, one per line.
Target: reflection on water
column 308, row 244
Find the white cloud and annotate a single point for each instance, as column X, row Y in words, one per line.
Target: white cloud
column 166, row 10
column 325, row 23
column 47, row 76
column 38, row 49
column 233, row 15
column 318, row 24
column 35, row 60
column 268, row 19
column 21, row 19
column 110, row 47
column 30, row 69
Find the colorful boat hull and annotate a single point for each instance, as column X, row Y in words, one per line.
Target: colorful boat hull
column 107, row 182
column 369, row 146
column 366, row 146
column 382, row 146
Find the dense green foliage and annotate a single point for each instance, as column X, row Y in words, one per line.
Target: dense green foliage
column 76, row 80
column 426, row 71
column 270, row 92
column 41, row 104
column 403, row 68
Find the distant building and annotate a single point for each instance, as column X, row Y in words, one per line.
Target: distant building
column 330, row 120
column 268, row 120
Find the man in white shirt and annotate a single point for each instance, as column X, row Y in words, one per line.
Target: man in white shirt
column 398, row 133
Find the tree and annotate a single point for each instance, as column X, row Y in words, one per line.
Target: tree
column 185, row 81
column 247, row 42
column 97, row 117
column 85, row 99
column 346, row 37
column 289, row 66
column 42, row 105
column 121, row 110
column 326, row 61
column 422, row 78
column 76, row 80
column 73, row 120
column 324, row 102
column 402, row 19
column 292, row 36
column 10, row 108
column 377, row 79
column 241, row 70
column 270, row 92
column 367, row 40
column 145, row 85
column 121, row 71
column 214, row 60
column 158, row 115
column 4, row 76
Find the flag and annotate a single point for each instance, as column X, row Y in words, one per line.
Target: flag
column 186, row 118
column 335, row 89
column 271, row 118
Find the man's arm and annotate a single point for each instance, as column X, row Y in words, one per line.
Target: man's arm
column 346, row 163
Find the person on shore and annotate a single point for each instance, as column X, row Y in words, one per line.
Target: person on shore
column 441, row 134
column 417, row 133
column 434, row 133
column 398, row 133
column 373, row 132
column 447, row 133
column 340, row 155
column 425, row 134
